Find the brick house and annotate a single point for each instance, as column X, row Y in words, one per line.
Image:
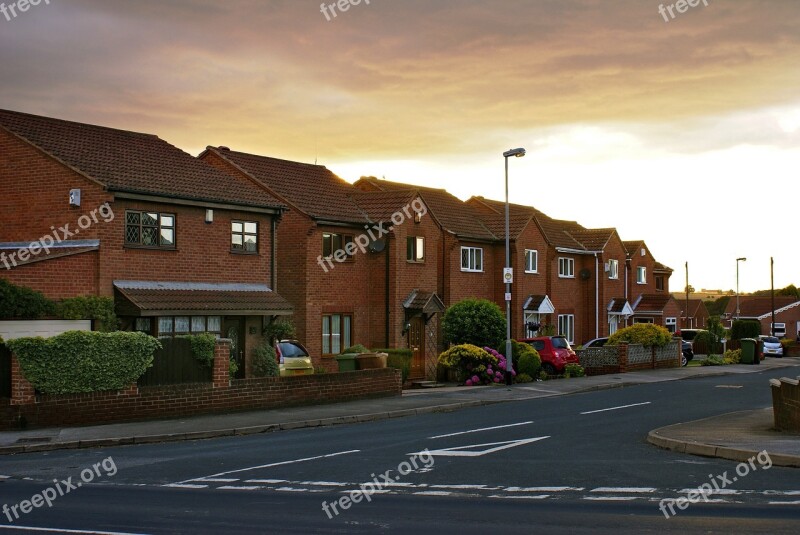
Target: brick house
column 787, row 314
column 698, row 314
column 382, row 295
column 181, row 247
column 647, row 283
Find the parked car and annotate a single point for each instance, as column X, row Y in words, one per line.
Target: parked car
column 595, row 342
column 772, row 346
column 689, row 335
column 687, row 353
column 554, row 351
column 293, row 358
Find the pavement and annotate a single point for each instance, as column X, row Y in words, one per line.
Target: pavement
column 736, row 436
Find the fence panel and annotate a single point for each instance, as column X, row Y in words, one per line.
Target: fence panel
column 174, row 364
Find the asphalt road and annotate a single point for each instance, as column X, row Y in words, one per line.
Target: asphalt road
column 568, row 464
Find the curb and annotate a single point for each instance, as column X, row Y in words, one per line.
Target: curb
column 240, row 431
column 722, row 452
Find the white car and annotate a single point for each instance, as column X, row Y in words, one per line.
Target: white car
column 772, row 346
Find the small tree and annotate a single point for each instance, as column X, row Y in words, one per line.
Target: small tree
column 281, row 329
column 474, row 321
column 265, row 361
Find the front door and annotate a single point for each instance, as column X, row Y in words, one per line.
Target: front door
column 416, row 342
column 233, row 328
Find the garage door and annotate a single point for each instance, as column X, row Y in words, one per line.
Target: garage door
column 10, row 330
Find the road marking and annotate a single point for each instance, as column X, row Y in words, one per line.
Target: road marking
column 432, row 493
column 729, row 492
column 465, row 451
column 234, row 487
column 80, row 531
column 728, row 386
column 525, row 497
column 481, row 429
column 612, row 498
column 218, row 479
column 615, row 408
column 464, row 487
column 627, row 490
column 541, row 489
column 265, row 481
column 186, row 486
column 796, row 502
column 282, row 463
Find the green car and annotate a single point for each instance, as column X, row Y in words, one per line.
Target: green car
column 293, row 358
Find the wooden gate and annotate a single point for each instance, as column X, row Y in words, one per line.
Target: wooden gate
column 5, row 372
column 174, row 364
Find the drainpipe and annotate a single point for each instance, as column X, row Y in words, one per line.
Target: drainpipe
column 596, row 296
column 273, row 261
column 626, row 289
column 386, row 296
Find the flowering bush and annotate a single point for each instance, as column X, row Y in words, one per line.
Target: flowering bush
column 473, row 365
column 500, row 369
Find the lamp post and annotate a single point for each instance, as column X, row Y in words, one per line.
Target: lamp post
column 517, row 153
column 737, row 284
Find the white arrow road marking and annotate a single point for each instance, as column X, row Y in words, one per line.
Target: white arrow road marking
column 615, row 408
column 481, row 429
column 465, row 451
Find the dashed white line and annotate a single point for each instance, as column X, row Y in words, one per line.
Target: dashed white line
column 612, row 498
column 616, row 408
column 541, row 489
column 237, row 487
column 521, row 497
column 481, row 429
column 625, row 490
column 58, row 530
column 186, row 486
column 796, row 502
column 217, row 479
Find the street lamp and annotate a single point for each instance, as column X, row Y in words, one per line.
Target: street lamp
column 517, row 153
column 737, row 284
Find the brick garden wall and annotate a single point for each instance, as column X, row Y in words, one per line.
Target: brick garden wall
column 178, row 401
column 786, row 404
column 629, row 357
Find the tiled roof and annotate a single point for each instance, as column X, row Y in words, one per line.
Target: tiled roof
column 313, row 189
column 58, row 250
column 427, row 302
column 651, row 303
column 632, row 246
column 381, row 205
column 497, row 224
column 618, row 305
column 661, row 267
column 751, row 306
column 594, row 239
column 538, row 303
column 150, row 298
column 131, row 162
column 452, row 213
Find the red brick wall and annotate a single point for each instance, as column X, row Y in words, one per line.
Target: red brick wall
column 611, row 288
column 463, row 284
column 187, row 400
column 67, row 276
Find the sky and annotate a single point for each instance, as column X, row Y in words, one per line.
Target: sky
column 680, row 129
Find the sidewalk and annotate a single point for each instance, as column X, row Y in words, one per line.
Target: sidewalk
column 411, row 403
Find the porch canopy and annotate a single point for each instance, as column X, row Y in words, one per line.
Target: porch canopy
column 423, row 303
column 155, row 298
column 619, row 306
column 539, row 304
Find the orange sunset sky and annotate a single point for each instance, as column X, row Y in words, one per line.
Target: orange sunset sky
column 683, row 133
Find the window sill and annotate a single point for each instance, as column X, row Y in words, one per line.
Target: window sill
column 415, row 261
column 532, row 272
column 471, row 271
column 148, row 247
column 245, row 253
column 566, row 276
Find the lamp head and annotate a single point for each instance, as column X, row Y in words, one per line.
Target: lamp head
column 519, row 153
column 741, row 259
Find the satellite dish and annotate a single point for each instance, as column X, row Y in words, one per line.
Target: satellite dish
column 377, row 246
column 585, row 274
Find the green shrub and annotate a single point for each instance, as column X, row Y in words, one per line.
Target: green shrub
column 265, row 361
column 573, row 370
column 358, row 349
column 523, row 378
column 525, row 358
column 90, row 307
column 646, row 334
column 543, row 376
column 734, row 356
column 399, row 358
column 202, row 347
column 714, row 360
column 469, row 362
column 81, row 361
column 745, row 329
column 478, row 322
column 282, row 329
column 233, row 367
column 18, row 302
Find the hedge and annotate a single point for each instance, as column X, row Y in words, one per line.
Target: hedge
column 745, row 329
column 19, row 302
column 81, row 361
column 399, row 358
column 90, row 307
column 647, row 334
column 202, row 347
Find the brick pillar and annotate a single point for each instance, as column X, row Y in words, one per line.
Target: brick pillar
column 22, row 391
column 679, row 343
column 623, row 357
column 653, row 357
column 220, row 375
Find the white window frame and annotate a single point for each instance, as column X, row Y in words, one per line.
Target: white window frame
column 531, row 267
column 613, row 269
column 472, row 259
column 641, row 275
column 566, row 322
column 671, row 322
column 563, row 263
column 613, row 323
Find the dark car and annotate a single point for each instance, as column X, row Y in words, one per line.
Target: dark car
column 687, row 353
column 554, row 351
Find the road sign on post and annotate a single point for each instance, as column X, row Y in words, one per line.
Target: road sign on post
column 508, row 275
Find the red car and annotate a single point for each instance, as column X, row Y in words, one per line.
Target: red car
column 554, row 351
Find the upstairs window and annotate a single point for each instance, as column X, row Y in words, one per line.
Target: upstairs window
column 566, row 267
column 531, row 261
column 332, row 243
column 149, row 229
column 244, row 237
column 641, row 275
column 660, row 283
column 471, row 259
column 415, row 249
column 613, row 269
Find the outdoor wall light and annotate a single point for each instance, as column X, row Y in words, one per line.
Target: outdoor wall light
column 209, row 216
